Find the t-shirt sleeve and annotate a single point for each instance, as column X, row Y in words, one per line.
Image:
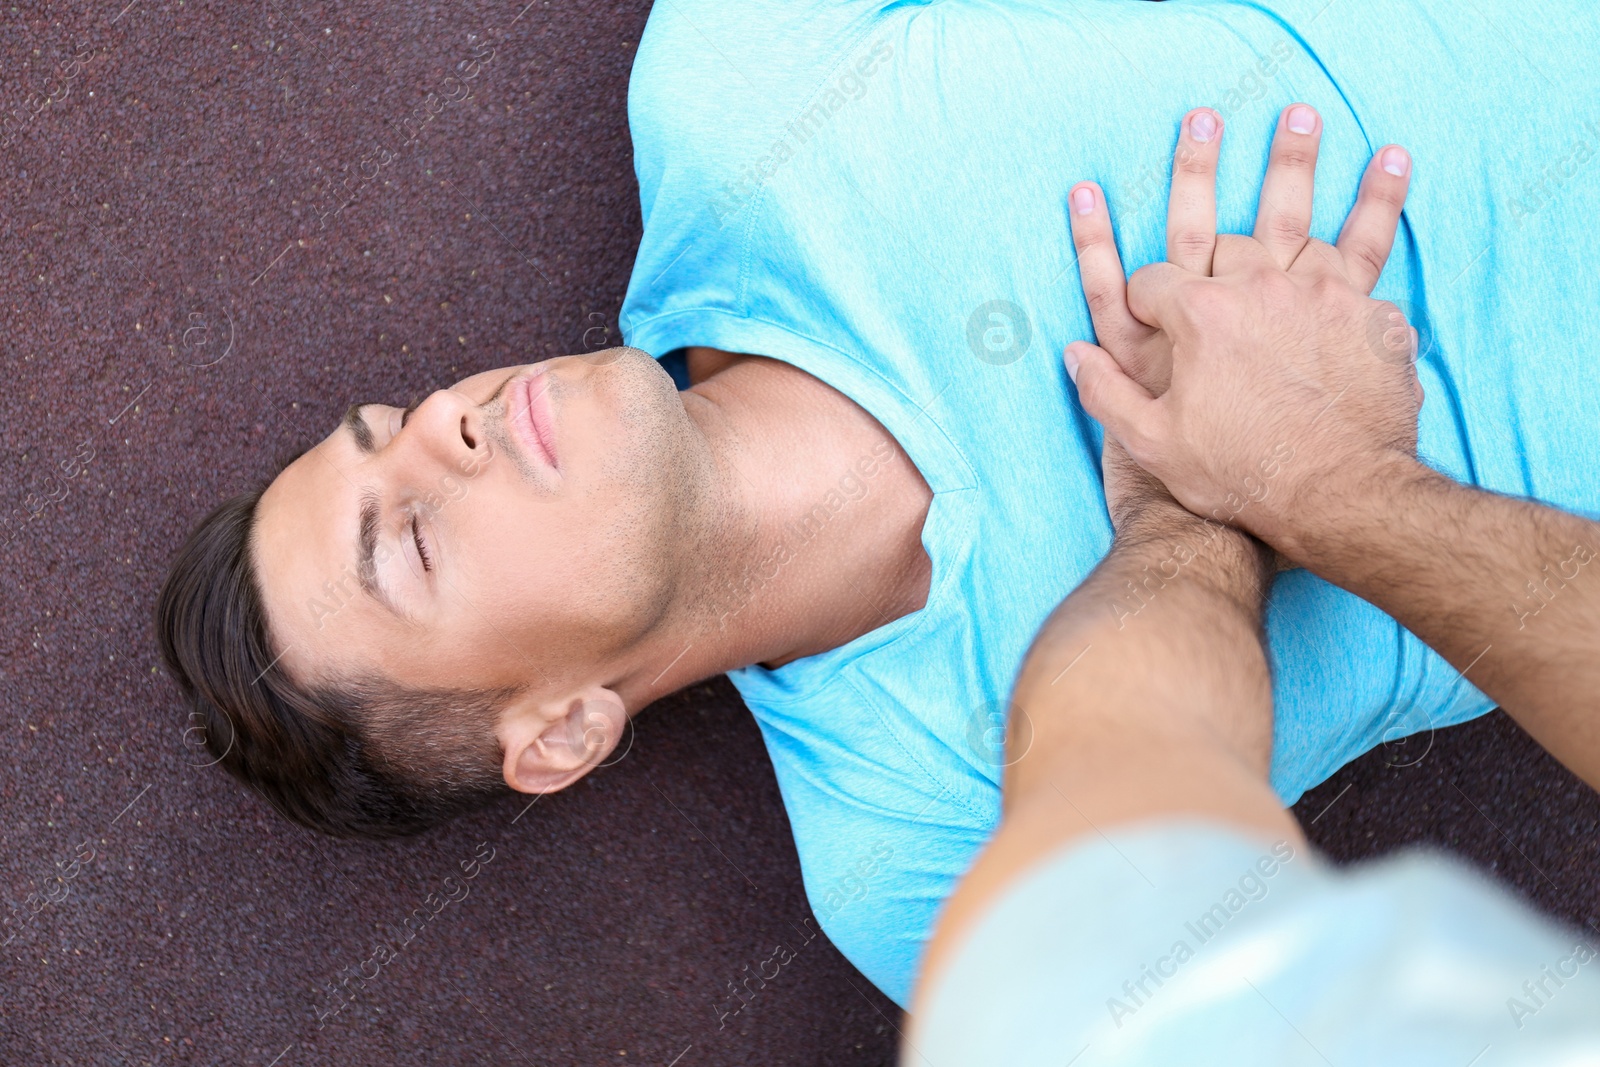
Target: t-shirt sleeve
column 877, row 890
column 1188, row 943
column 880, row 848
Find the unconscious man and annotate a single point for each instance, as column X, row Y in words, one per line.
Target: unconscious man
column 877, row 482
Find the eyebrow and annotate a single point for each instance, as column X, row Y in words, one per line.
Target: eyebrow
column 367, row 548
column 358, row 428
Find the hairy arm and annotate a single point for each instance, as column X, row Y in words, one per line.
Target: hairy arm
column 1142, row 697
column 1507, row 590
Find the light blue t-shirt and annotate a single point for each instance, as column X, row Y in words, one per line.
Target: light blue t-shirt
column 875, row 193
column 1185, row 943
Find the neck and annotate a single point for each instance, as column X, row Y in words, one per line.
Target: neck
column 812, row 538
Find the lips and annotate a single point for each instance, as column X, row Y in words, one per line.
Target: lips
column 533, row 418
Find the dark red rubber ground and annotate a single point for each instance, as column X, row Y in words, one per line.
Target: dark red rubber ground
column 181, row 306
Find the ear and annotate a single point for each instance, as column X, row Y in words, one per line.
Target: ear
column 548, row 745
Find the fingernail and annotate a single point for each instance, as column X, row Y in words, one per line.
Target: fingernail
column 1083, row 200
column 1071, row 359
column 1302, row 119
column 1203, row 126
column 1397, row 161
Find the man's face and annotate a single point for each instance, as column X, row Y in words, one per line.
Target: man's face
column 516, row 529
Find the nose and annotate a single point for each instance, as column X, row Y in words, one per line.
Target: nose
column 446, row 429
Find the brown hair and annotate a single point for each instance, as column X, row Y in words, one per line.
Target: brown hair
column 366, row 758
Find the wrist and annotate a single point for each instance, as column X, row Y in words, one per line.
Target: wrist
column 1344, row 508
column 1161, row 546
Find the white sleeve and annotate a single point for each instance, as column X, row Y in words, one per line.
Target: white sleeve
column 1187, row 943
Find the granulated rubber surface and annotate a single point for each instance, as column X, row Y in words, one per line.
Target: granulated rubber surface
column 223, row 222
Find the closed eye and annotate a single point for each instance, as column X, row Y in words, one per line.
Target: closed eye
column 422, row 548
column 406, row 414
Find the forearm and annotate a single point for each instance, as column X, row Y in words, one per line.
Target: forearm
column 1136, row 703
column 1505, row 589
column 1161, row 644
